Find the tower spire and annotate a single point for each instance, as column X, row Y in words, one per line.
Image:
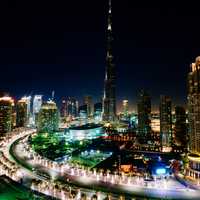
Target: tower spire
column 110, row 16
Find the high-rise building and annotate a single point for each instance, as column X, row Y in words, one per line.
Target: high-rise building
column 125, row 107
column 63, row 109
column 144, row 116
column 37, row 103
column 83, row 111
column 6, row 114
column 180, row 127
column 48, row 117
column 98, row 112
column 194, row 106
column 155, row 122
column 87, row 100
column 193, row 169
column 22, row 113
column 109, row 99
column 72, row 107
column 165, row 122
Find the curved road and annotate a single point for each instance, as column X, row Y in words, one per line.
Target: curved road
column 15, row 149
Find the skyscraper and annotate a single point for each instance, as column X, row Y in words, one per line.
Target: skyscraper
column 144, row 116
column 6, row 114
column 37, row 103
column 165, row 122
column 193, row 169
column 22, row 113
column 48, row 117
column 98, row 112
column 125, row 107
column 109, row 99
column 194, row 106
column 87, row 100
column 72, row 107
column 83, row 111
column 180, row 127
column 63, row 109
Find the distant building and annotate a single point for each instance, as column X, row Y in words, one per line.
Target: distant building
column 83, row 111
column 37, row 103
column 125, row 108
column 134, row 120
column 6, row 114
column 22, row 113
column 180, row 127
column 48, row 117
column 63, row 109
column 144, row 116
column 98, row 112
column 87, row 100
column 193, row 169
column 165, row 122
column 155, row 122
column 72, row 107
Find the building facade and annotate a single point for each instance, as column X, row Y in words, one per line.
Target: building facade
column 6, row 114
column 193, row 169
column 180, row 128
column 98, row 112
column 165, row 122
column 72, row 107
column 37, row 103
column 87, row 100
column 21, row 112
column 48, row 117
column 144, row 116
column 63, row 109
column 125, row 108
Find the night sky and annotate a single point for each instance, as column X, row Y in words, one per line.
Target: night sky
column 61, row 46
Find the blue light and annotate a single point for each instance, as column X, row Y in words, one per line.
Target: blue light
column 160, row 171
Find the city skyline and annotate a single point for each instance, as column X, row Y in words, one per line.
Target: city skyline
column 99, row 100
column 149, row 51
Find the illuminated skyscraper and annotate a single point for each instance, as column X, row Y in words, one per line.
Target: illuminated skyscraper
column 72, row 107
column 193, row 169
column 6, row 114
column 48, row 117
column 125, row 107
column 63, row 110
column 83, row 110
column 22, row 113
column 98, row 112
column 87, row 100
column 109, row 100
column 37, row 103
column 165, row 122
column 180, row 128
column 144, row 116
column 194, row 106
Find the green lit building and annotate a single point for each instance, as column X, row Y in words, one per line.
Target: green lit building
column 6, row 114
column 48, row 117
